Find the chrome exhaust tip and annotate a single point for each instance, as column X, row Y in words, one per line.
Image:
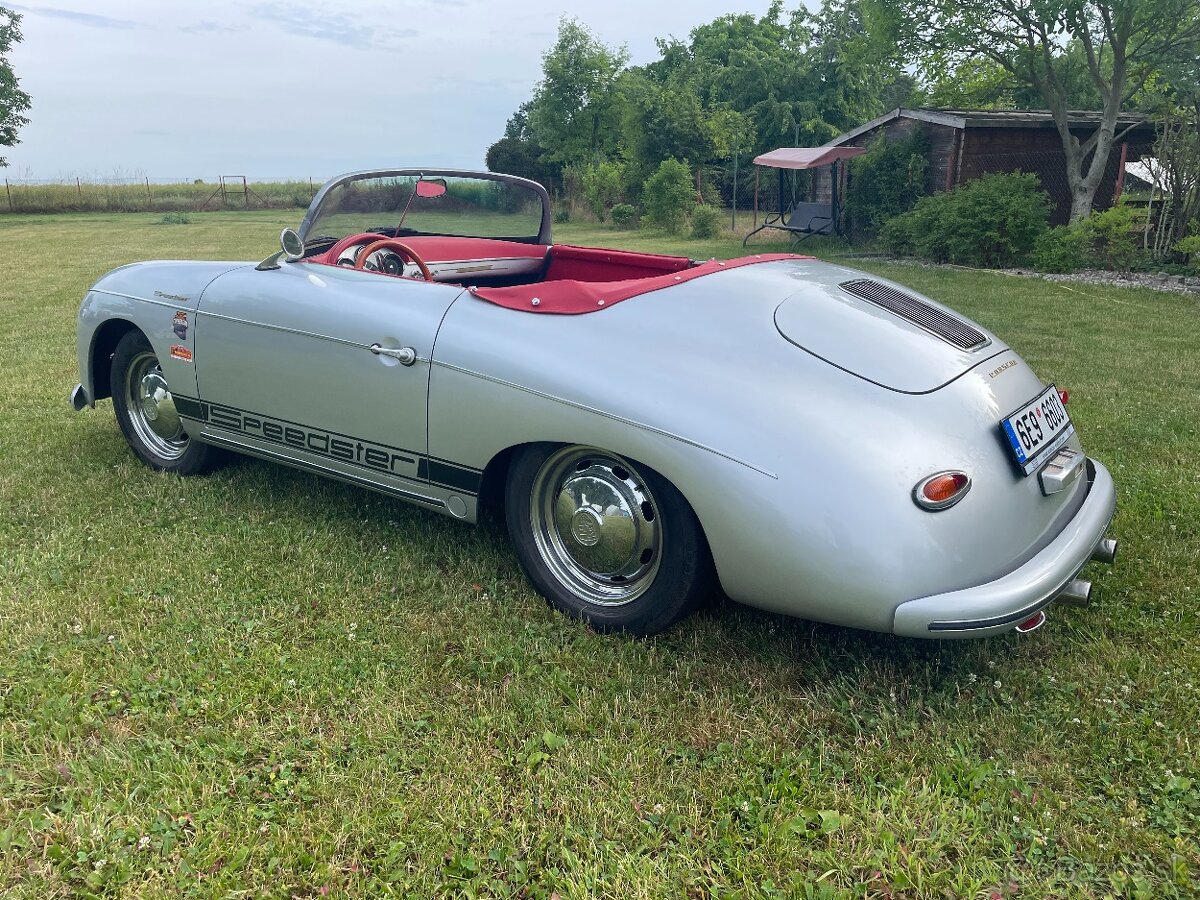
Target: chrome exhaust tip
column 1077, row 593
column 1106, row 551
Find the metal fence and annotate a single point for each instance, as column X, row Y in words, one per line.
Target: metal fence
column 142, row 194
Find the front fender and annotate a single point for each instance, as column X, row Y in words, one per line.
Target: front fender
column 147, row 296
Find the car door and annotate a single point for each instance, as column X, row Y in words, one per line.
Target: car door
column 323, row 366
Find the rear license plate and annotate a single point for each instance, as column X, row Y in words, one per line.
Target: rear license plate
column 1037, row 429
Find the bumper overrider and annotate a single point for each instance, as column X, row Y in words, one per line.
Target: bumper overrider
column 1016, row 598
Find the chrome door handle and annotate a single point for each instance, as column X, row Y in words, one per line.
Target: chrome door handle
column 406, row 356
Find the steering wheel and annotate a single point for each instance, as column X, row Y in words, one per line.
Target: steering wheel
column 396, row 247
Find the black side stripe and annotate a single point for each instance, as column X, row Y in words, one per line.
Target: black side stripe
column 447, row 475
column 191, row 409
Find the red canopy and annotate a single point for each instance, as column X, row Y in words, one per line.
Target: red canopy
column 806, row 157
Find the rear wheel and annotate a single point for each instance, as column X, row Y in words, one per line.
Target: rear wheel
column 146, row 411
column 605, row 539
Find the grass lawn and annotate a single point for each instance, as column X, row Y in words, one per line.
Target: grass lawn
column 260, row 683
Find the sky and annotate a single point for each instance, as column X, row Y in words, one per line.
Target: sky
column 273, row 89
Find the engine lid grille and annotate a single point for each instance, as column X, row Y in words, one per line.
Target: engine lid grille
column 945, row 326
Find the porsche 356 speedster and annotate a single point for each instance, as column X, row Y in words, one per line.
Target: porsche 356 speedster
column 807, row 438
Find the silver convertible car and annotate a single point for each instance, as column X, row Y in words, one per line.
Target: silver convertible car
column 808, row 438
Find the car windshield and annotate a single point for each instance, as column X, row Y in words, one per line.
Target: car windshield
column 413, row 203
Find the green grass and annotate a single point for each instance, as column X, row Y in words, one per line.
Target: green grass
column 260, row 683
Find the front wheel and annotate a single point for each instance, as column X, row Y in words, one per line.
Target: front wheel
column 146, row 411
column 604, row 539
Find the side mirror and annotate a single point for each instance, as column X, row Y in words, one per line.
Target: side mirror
column 293, row 250
column 293, row 247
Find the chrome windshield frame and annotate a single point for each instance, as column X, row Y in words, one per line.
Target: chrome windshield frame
column 542, row 237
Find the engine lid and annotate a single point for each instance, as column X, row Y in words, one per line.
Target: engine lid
column 882, row 331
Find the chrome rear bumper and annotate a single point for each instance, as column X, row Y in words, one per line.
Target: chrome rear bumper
column 1001, row 605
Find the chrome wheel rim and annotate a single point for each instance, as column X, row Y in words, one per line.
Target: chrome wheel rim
column 151, row 407
column 596, row 525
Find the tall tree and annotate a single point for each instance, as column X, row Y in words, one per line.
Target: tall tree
column 13, row 100
column 575, row 108
column 1121, row 43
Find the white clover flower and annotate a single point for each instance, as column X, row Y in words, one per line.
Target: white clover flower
column 111, row 638
column 143, row 842
column 972, row 677
column 996, row 683
column 991, row 663
column 291, row 682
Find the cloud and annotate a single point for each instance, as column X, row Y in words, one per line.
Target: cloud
column 321, row 26
column 90, row 19
column 210, row 27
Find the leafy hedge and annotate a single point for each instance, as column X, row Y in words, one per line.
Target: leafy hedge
column 887, row 180
column 993, row 221
column 1109, row 239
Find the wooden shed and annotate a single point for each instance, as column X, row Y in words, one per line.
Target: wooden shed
column 967, row 143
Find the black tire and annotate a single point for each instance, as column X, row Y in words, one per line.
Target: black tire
column 146, row 411
column 633, row 558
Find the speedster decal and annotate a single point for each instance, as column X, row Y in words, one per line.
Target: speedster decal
column 178, row 351
column 331, row 445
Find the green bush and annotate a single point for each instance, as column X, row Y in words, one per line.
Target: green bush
column 887, row 180
column 668, row 195
column 1063, row 249
column 1189, row 245
column 993, row 221
column 602, row 187
column 896, row 236
column 562, row 213
column 1112, row 234
column 706, row 222
column 624, row 215
column 174, row 219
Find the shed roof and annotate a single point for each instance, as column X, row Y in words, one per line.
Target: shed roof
column 998, row 118
column 806, row 157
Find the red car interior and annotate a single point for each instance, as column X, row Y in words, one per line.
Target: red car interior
column 573, row 280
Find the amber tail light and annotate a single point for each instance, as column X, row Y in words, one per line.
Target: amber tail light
column 942, row 490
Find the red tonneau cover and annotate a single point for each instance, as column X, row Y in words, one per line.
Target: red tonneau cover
column 570, row 296
column 806, row 157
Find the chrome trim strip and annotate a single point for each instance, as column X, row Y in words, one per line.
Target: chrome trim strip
column 296, row 331
column 141, row 299
column 607, row 415
column 252, row 450
column 972, row 624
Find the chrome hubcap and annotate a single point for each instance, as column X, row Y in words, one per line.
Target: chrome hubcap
column 152, row 410
column 596, row 525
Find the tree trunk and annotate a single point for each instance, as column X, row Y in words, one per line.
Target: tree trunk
column 1081, row 203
